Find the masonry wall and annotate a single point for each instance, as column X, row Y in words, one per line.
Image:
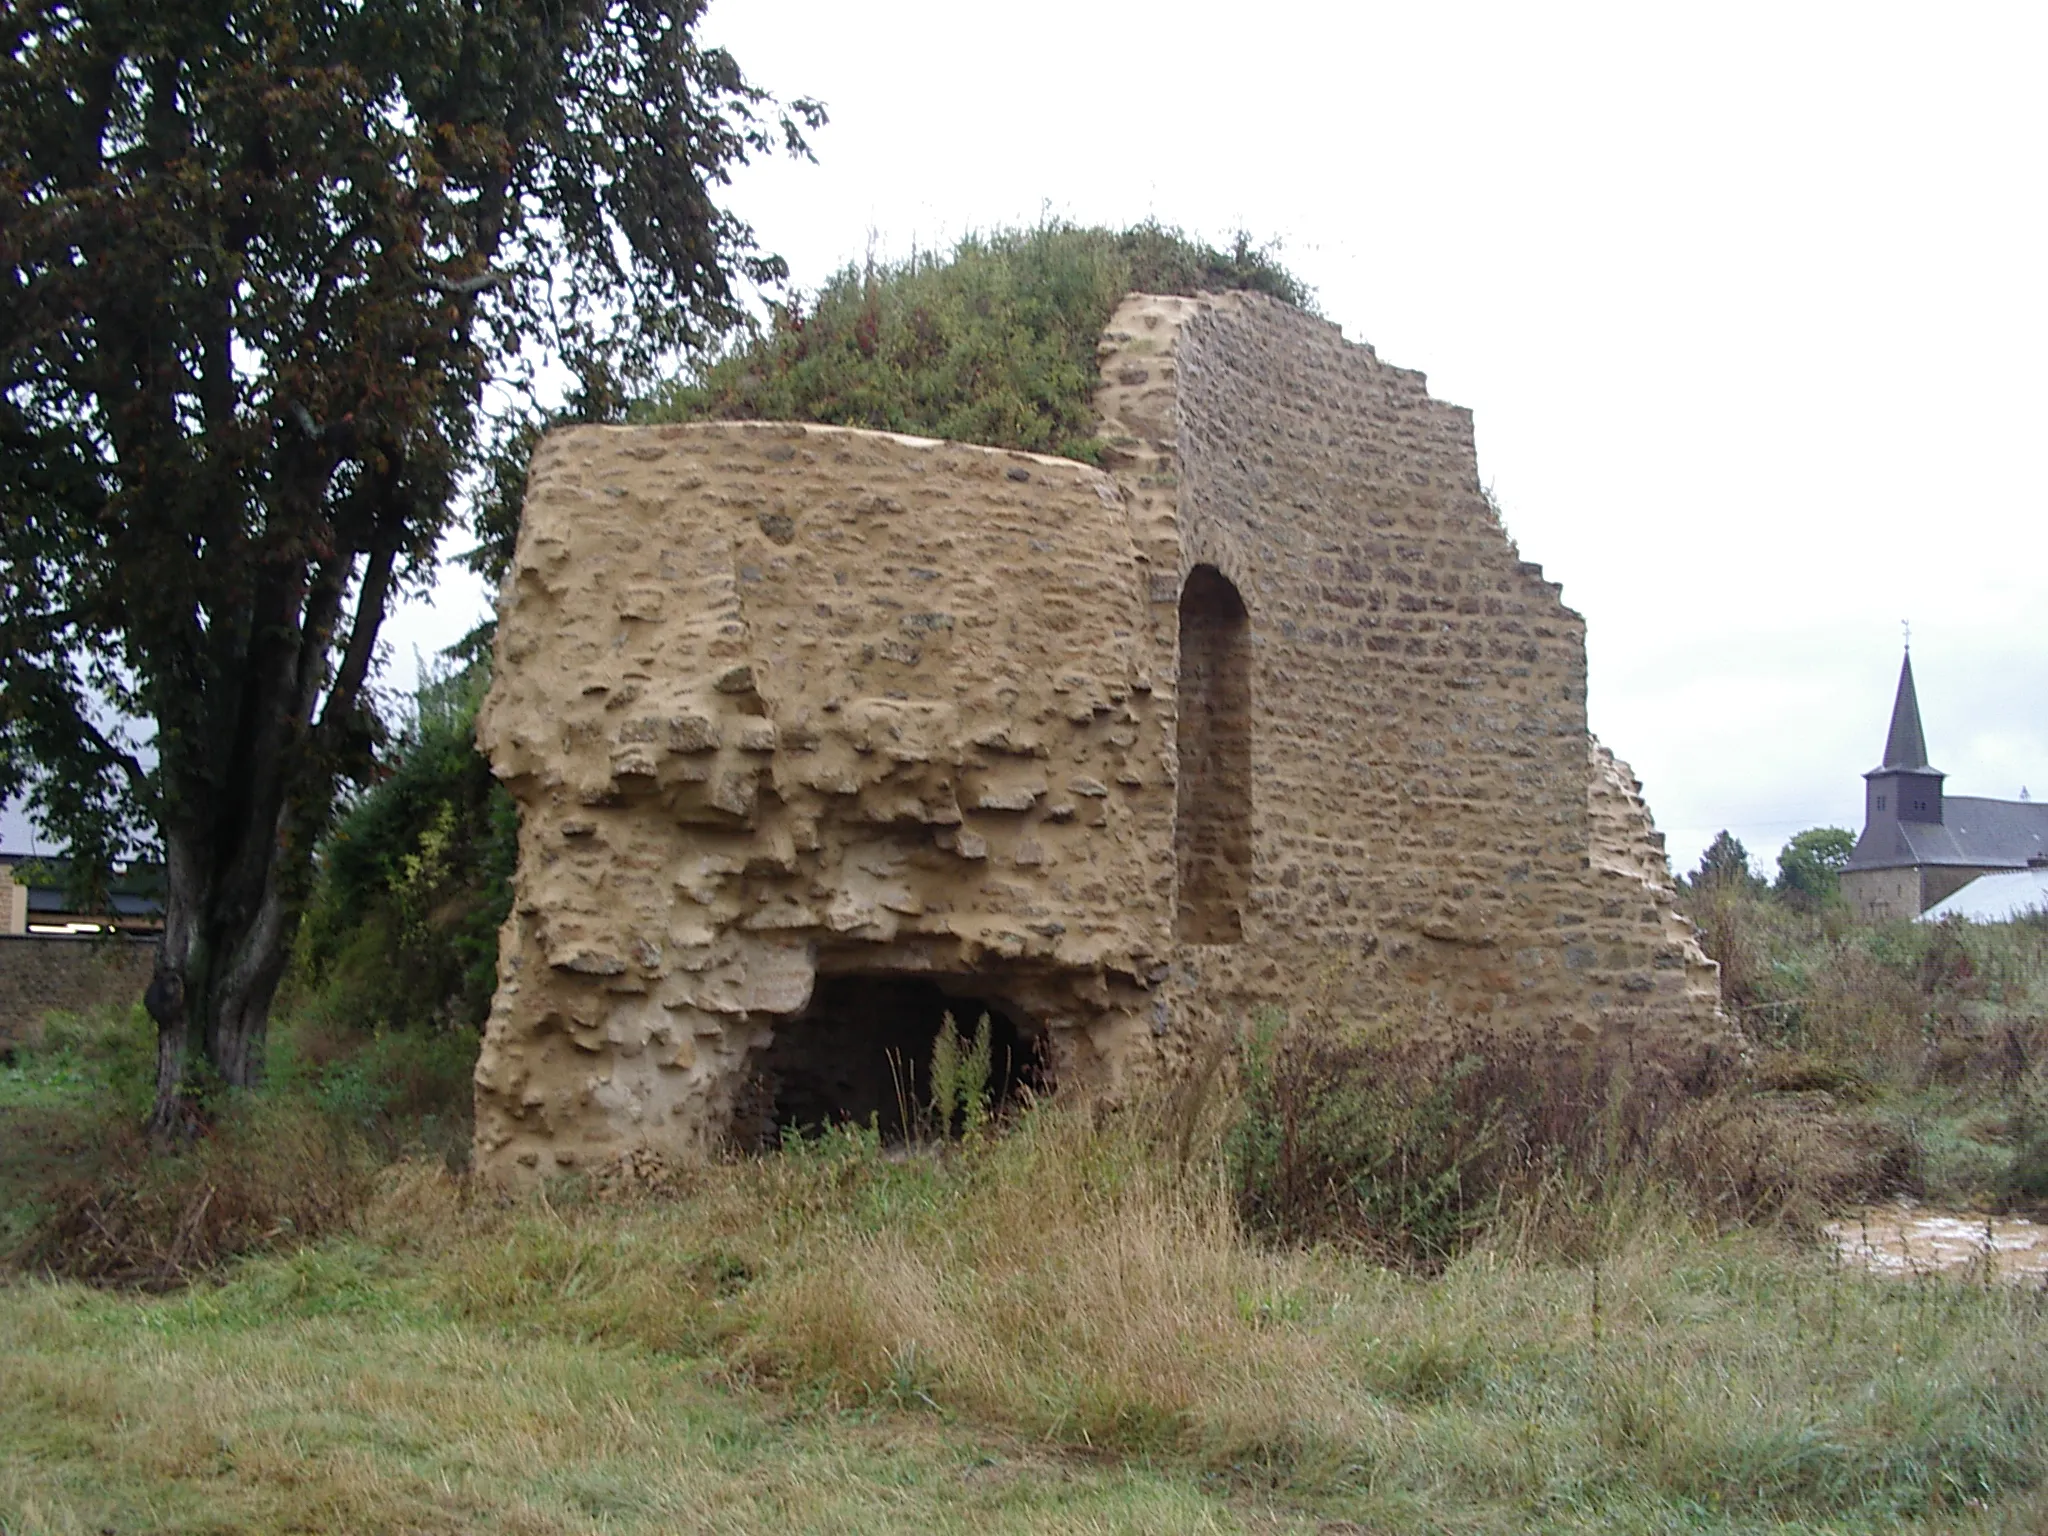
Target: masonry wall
column 778, row 702
column 1881, row 895
column 1420, row 780
column 13, row 903
column 1269, row 714
column 47, row 974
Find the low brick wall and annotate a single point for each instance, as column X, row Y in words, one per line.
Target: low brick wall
column 41, row 975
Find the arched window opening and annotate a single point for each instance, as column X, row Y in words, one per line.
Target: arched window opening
column 1212, row 833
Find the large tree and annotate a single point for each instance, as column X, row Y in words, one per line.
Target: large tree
column 259, row 260
column 1810, row 866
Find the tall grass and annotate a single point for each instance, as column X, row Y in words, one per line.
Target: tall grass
column 82, row 1193
column 1609, row 1348
column 1068, row 1283
column 1933, row 1035
column 1412, row 1145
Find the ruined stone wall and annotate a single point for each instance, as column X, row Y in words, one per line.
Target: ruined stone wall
column 777, row 701
column 1420, row 774
column 1633, row 877
column 1269, row 713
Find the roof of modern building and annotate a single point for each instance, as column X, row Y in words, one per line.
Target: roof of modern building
column 1986, row 834
column 135, row 891
column 1995, row 898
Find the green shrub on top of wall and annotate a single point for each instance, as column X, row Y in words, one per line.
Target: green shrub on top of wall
column 995, row 344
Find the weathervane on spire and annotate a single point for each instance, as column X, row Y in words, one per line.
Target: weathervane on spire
column 1907, row 626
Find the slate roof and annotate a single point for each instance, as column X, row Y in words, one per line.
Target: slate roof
column 1985, row 834
column 1905, row 745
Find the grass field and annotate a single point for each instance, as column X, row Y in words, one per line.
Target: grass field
column 1051, row 1329
column 1075, row 1324
column 358, row 1387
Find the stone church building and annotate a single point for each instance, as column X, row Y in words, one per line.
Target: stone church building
column 817, row 734
column 1920, row 845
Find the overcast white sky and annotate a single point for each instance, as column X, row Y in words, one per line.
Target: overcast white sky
column 1748, row 300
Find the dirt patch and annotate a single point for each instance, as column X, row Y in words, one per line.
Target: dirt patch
column 1909, row 1241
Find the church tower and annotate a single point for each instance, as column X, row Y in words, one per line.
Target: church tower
column 1921, row 845
column 1903, row 787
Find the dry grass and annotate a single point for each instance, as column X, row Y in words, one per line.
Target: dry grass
column 835, row 1337
column 271, row 1175
column 1062, row 1284
column 1410, row 1144
column 1072, row 1325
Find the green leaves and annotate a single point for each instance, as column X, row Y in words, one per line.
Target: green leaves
column 414, row 880
column 1810, row 865
column 259, row 260
column 961, row 1071
column 994, row 345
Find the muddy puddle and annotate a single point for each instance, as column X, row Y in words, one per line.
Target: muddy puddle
column 1909, row 1240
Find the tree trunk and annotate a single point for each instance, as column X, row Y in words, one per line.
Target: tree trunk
column 222, row 957
column 248, row 784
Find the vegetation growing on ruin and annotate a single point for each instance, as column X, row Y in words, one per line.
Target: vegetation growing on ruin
column 992, row 344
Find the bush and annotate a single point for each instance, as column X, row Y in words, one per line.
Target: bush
column 1414, row 1146
column 268, row 1175
column 403, row 1090
column 1925, row 1040
column 1897, row 1004
column 2026, row 1182
column 1409, row 1144
column 82, row 1194
column 995, row 345
column 413, row 883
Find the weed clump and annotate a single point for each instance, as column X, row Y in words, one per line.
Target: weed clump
column 1414, row 1146
column 266, row 1176
column 1920, row 1047
column 960, row 1101
column 995, row 344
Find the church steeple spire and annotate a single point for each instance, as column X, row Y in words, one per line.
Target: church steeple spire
column 1903, row 787
column 1906, row 746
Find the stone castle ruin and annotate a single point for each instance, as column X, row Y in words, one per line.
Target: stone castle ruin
column 818, row 733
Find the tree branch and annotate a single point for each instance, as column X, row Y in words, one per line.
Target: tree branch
column 129, row 764
column 362, row 634
column 323, row 609
column 462, row 287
